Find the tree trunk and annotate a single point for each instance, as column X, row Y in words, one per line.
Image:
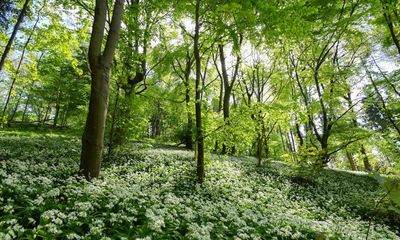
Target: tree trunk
column 367, row 165
column 225, row 110
column 189, row 130
column 228, row 85
column 199, row 129
column 221, row 95
column 299, row 135
column 57, row 109
column 100, row 65
column 14, row 33
column 291, row 146
column 3, row 114
column 350, row 158
column 259, row 149
column 294, row 147
column 324, row 155
column 282, row 139
column 266, row 146
column 220, row 103
column 227, row 91
column 189, row 137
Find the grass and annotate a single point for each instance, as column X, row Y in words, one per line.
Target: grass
column 150, row 193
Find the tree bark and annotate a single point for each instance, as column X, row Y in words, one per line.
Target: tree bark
column 299, row 135
column 199, row 129
column 14, row 33
column 189, row 130
column 350, row 158
column 259, row 149
column 100, row 65
column 282, row 139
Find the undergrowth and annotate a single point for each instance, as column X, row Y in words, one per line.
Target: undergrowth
column 150, row 193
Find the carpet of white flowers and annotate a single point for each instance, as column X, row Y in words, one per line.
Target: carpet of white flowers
column 149, row 193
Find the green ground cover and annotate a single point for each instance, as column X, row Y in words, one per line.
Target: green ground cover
column 149, row 193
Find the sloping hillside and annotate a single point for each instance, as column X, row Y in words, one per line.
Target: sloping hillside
column 149, row 193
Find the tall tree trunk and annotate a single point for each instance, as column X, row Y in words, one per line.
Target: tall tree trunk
column 365, row 158
column 228, row 85
column 350, row 158
column 262, row 140
column 293, row 141
column 291, row 146
column 226, row 92
column 221, row 95
column 14, row 33
column 282, row 139
column 220, row 103
column 199, row 128
column 299, row 135
column 259, row 149
column 100, row 65
column 57, row 109
column 266, row 147
column 324, row 155
column 189, row 130
column 286, row 137
column 226, row 112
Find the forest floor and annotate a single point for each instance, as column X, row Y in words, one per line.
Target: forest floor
column 150, row 193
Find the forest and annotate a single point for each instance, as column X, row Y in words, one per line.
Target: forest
column 200, row 119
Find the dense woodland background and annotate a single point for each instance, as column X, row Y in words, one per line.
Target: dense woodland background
column 310, row 85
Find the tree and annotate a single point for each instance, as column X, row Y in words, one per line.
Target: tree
column 183, row 70
column 100, row 64
column 391, row 10
column 18, row 68
column 199, row 127
column 228, row 85
column 14, row 33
